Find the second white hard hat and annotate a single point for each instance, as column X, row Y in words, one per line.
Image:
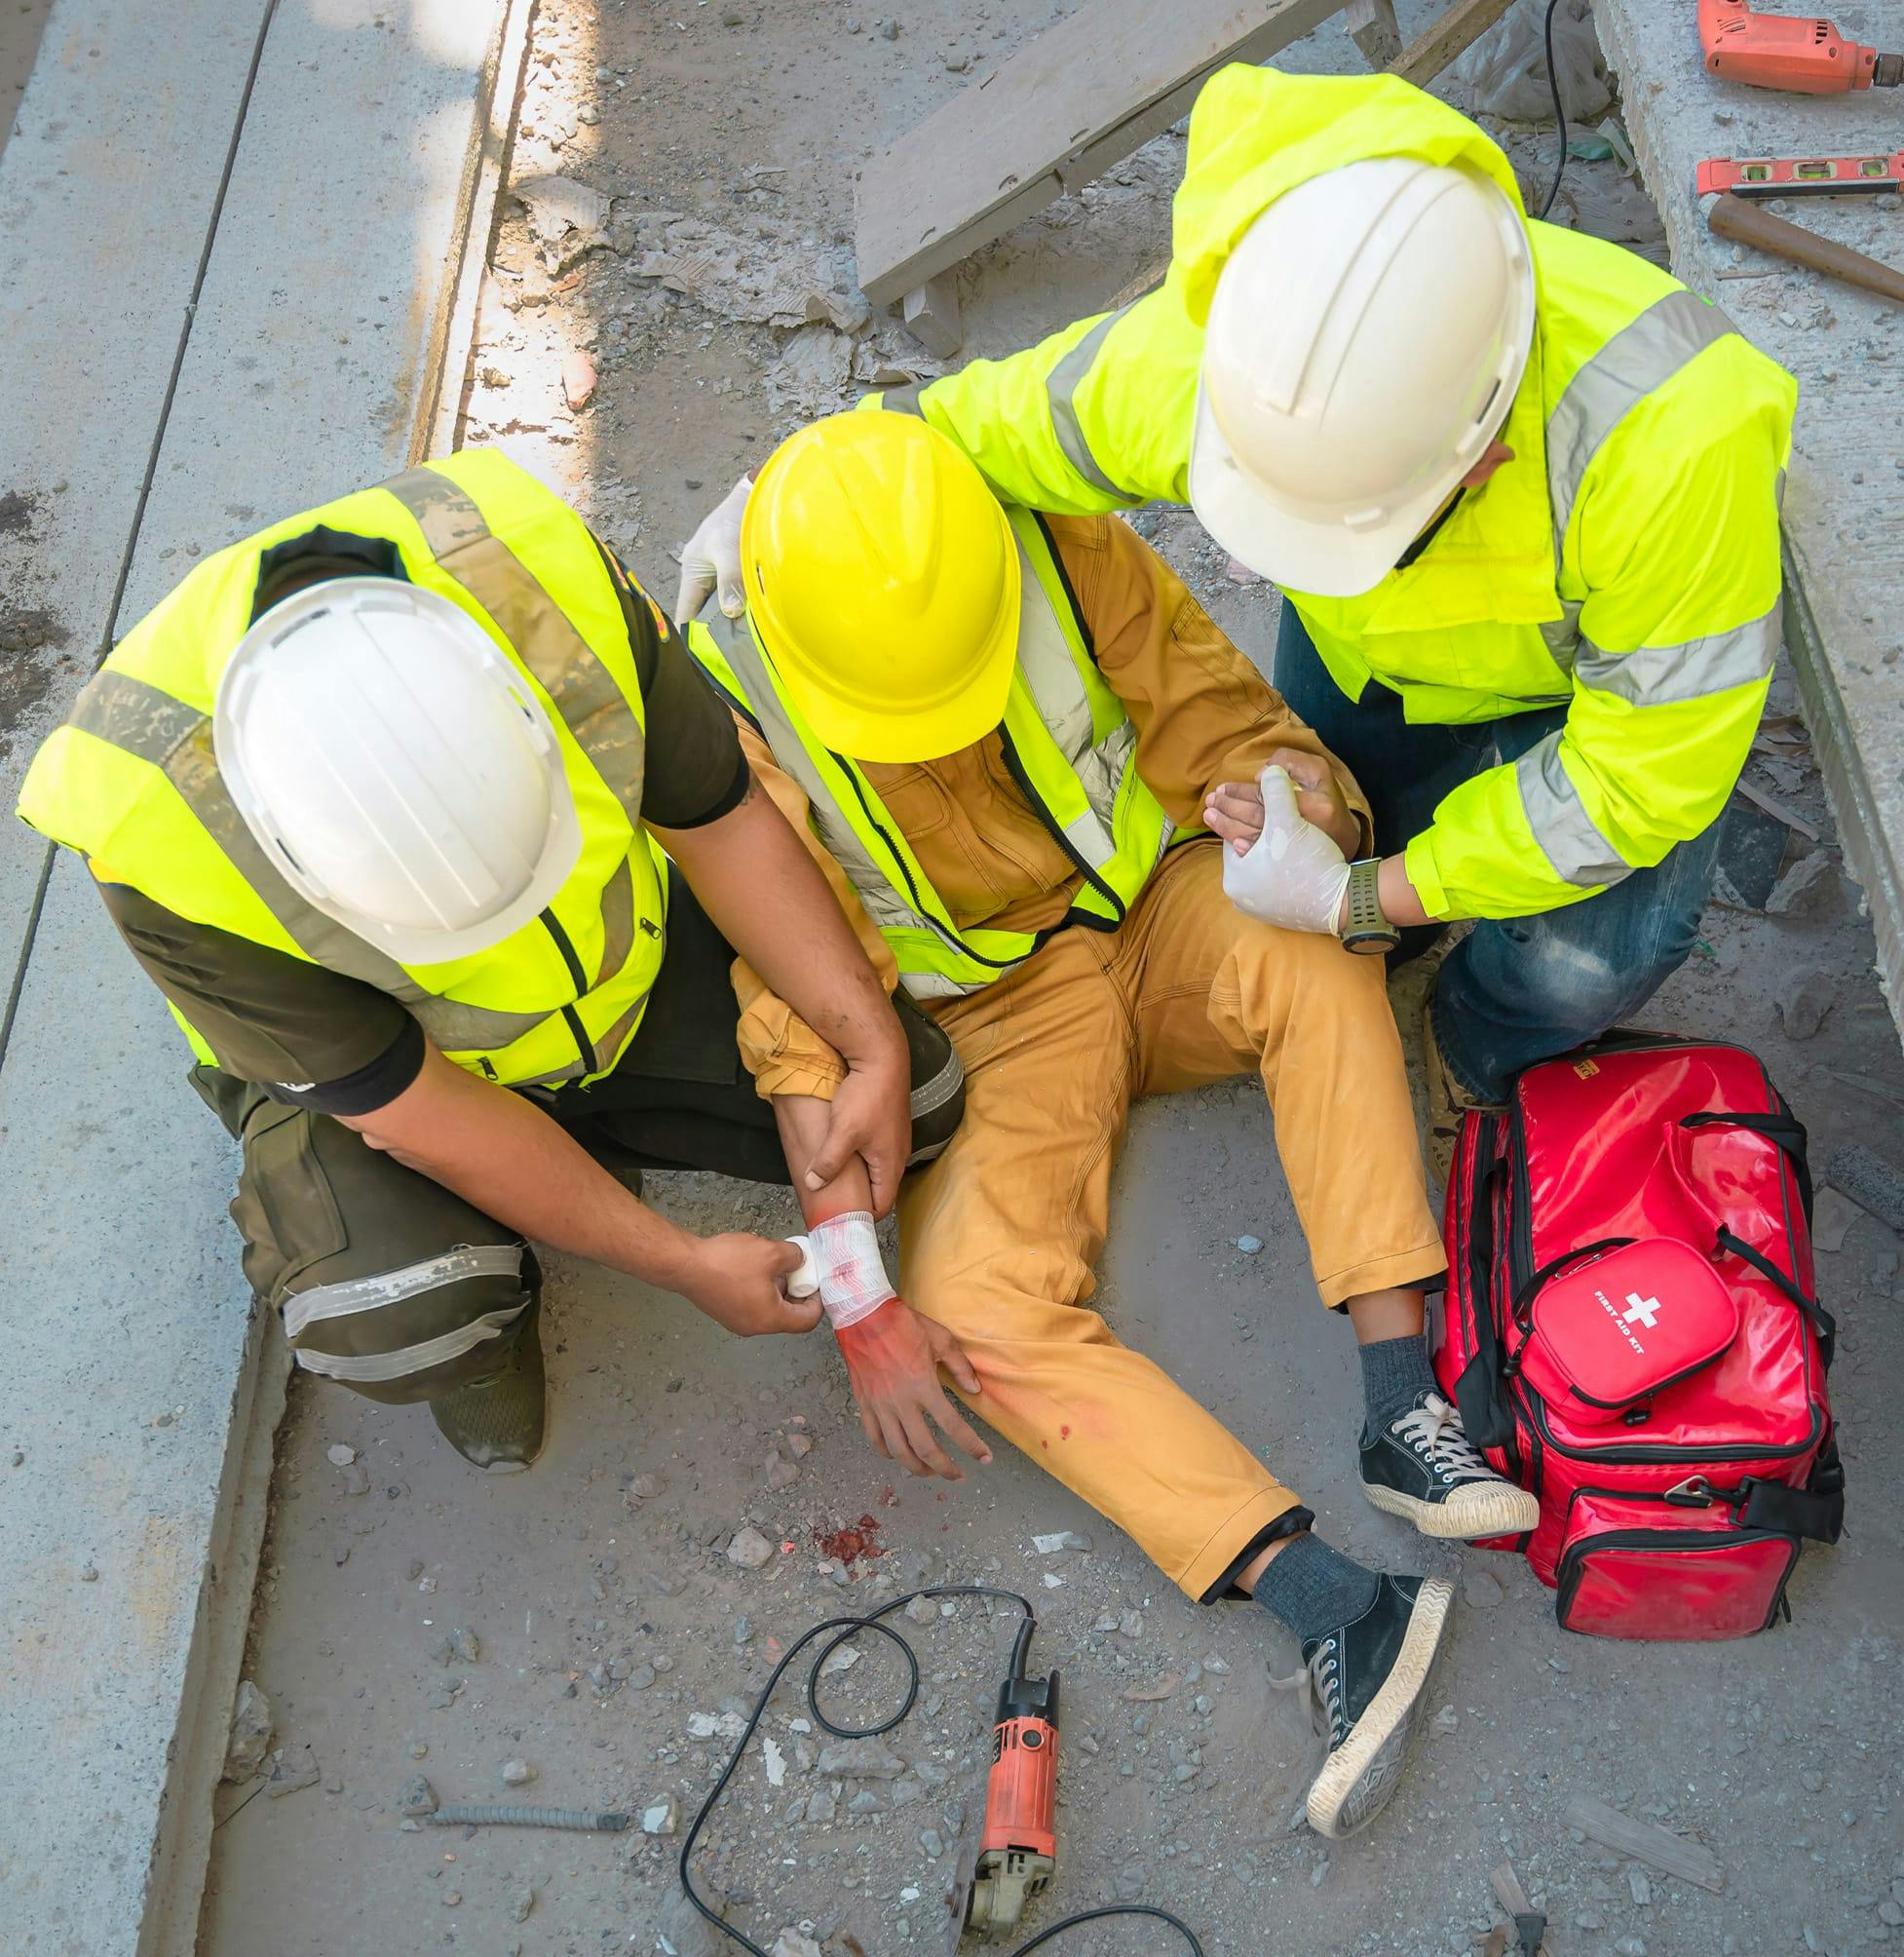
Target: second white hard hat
column 1363, row 347
column 397, row 768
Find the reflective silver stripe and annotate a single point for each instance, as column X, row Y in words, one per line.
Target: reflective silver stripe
column 1643, row 356
column 1562, row 634
column 1657, row 675
column 586, row 696
column 934, row 1094
column 130, row 713
column 1061, row 391
column 903, row 400
column 884, row 905
column 616, row 920
column 351, row 1295
column 1057, row 691
column 1568, row 836
column 373, row 1366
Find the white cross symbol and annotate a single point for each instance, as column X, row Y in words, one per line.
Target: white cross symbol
column 1643, row 1308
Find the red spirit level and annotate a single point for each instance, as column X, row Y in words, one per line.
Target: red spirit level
column 1801, row 175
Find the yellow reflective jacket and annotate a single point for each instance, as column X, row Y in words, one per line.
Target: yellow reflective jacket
column 131, row 780
column 1625, row 564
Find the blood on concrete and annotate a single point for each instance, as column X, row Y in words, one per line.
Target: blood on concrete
column 850, row 1543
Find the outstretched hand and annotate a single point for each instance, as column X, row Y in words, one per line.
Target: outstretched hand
column 893, row 1359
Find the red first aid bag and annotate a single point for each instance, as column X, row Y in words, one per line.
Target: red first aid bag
column 1630, row 1332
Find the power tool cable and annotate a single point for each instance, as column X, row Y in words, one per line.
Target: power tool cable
column 845, row 1630
column 1559, row 112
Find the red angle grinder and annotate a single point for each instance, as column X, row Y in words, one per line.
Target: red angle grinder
column 1018, row 1845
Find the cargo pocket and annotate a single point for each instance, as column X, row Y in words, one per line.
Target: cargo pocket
column 284, row 1208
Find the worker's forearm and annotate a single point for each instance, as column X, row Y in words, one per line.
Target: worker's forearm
column 509, row 1158
column 770, row 901
column 802, row 1122
column 1401, row 904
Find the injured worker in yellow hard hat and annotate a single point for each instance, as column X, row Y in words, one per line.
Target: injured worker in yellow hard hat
column 996, row 730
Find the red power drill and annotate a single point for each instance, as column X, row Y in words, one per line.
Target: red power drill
column 1806, row 55
column 1017, row 1850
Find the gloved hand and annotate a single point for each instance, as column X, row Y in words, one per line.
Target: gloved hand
column 1293, row 875
column 711, row 560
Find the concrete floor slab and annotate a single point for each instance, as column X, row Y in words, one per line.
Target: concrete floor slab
column 137, row 1407
column 1845, row 548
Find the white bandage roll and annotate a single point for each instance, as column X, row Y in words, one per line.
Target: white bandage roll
column 804, row 1281
column 853, row 1281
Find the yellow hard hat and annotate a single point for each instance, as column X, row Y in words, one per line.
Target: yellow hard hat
column 881, row 576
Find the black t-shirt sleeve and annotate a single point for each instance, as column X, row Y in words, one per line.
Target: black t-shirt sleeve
column 306, row 1035
column 695, row 770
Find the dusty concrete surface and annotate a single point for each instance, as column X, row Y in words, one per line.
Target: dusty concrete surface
column 152, row 413
column 604, row 1613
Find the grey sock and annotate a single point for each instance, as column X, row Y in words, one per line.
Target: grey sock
column 1315, row 1588
column 1395, row 1373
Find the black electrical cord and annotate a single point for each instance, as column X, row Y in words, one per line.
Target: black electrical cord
column 1559, row 113
column 845, row 1628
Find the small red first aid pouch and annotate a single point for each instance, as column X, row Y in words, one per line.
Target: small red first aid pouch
column 1611, row 1333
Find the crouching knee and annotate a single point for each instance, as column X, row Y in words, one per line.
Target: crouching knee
column 418, row 1331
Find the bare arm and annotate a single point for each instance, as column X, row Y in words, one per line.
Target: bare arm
column 509, row 1158
column 892, row 1356
column 770, row 901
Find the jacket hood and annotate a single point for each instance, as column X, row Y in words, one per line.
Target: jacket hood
column 1255, row 134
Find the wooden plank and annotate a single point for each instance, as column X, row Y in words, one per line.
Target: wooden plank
column 1665, row 1850
column 1375, row 31
column 1432, row 51
column 1061, row 111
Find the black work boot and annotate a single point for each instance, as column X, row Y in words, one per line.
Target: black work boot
column 498, row 1422
column 1422, row 1467
column 1370, row 1679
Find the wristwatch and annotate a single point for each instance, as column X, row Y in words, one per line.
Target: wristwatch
column 1367, row 929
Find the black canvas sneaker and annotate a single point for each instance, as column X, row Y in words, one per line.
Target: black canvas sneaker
column 1422, row 1467
column 1369, row 1680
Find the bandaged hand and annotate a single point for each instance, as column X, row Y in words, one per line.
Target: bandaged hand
column 892, row 1355
column 711, row 560
column 1293, row 875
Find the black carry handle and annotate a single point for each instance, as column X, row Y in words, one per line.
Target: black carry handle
column 1786, row 1129
column 1816, row 1511
column 1480, row 1392
column 1529, row 1291
column 1822, row 1322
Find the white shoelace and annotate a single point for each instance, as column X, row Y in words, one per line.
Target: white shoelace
column 1434, row 1429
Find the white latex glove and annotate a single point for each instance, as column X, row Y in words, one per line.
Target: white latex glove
column 1293, row 875
column 711, row 560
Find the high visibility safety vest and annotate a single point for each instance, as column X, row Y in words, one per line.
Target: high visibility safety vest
column 1626, row 566
column 1068, row 743
column 132, row 781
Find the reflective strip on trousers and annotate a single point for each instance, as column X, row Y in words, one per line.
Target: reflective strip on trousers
column 1658, row 675
column 351, row 1295
column 1639, row 358
column 1061, row 392
column 588, row 698
column 1569, row 837
column 379, row 1367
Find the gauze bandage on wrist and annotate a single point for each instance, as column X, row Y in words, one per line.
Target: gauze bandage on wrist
column 842, row 1255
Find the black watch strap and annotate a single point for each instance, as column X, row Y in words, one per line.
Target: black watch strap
column 1367, row 928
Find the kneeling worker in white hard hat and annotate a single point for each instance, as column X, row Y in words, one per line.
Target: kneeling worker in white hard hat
column 1520, row 490
column 378, row 797
column 998, row 731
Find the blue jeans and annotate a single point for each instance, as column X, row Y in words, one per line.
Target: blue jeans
column 1516, row 989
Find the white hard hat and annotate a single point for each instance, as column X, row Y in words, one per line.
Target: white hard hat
column 1364, row 343
column 395, row 767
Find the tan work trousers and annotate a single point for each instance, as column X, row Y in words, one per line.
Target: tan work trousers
column 999, row 1236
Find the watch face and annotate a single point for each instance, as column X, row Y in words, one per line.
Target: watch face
column 1368, row 943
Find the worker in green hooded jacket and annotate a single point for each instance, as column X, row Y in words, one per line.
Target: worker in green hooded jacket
column 1520, row 490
